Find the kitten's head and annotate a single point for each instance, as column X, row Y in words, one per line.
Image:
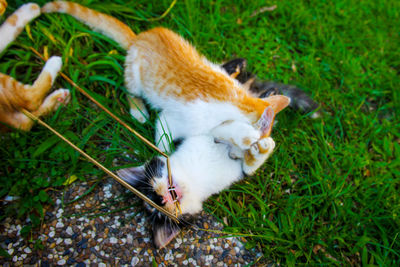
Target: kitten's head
column 152, row 180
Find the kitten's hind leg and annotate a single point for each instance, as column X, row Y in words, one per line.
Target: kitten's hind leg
column 51, row 103
column 258, row 153
column 34, row 94
column 138, row 109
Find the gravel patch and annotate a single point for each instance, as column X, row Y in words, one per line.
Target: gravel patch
column 109, row 227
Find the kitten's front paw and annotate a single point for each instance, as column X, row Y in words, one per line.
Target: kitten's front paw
column 53, row 66
column 258, row 153
column 266, row 145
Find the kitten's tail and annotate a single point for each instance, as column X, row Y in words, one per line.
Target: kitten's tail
column 100, row 22
column 15, row 23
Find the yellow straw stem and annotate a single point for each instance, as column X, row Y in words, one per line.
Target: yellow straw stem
column 147, row 142
column 116, row 177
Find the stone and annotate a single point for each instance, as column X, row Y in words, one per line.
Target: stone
column 134, row 261
column 69, row 231
column 61, row 262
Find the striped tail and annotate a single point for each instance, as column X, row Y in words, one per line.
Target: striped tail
column 100, row 22
column 15, row 23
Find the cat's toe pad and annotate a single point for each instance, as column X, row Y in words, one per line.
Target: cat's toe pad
column 64, row 97
column 61, row 96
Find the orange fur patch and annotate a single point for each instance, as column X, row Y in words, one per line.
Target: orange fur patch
column 249, row 158
column 246, row 141
column 15, row 95
column 12, row 20
column 34, row 7
column 184, row 74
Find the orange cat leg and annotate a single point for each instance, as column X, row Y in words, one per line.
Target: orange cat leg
column 16, row 120
column 34, row 95
column 3, row 6
column 51, row 103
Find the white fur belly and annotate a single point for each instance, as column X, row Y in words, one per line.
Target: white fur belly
column 199, row 117
column 203, row 168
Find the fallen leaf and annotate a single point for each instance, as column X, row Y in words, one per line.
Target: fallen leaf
column 70, row 179
column 263, row 9
column 317, row 248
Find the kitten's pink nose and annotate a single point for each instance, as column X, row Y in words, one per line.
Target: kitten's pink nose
column 167, row 198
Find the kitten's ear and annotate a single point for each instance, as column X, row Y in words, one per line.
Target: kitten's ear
column 235, row 65
column 164, row 230
column 277, row 102
column 266, row 122
column 133, row 176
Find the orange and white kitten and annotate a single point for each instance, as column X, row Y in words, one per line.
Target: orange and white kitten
column 165, row 70
column 199, row 103
column 196, row 96
column 14, row 95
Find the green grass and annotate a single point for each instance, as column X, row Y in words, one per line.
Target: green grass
column 330, row 192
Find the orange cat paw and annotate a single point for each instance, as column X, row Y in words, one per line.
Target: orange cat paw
column 56, row 99
column 3, row 6
column 64, row 96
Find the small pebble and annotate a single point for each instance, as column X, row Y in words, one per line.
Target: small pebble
column 134, row 261
column 69, row 230
column 115, row 239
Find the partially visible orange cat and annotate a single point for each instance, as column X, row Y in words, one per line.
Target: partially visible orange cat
column 14, row 95
column 195, row 95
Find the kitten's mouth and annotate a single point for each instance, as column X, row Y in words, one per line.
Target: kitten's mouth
column 173, row 194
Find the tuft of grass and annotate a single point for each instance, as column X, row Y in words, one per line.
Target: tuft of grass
column 328, row 195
